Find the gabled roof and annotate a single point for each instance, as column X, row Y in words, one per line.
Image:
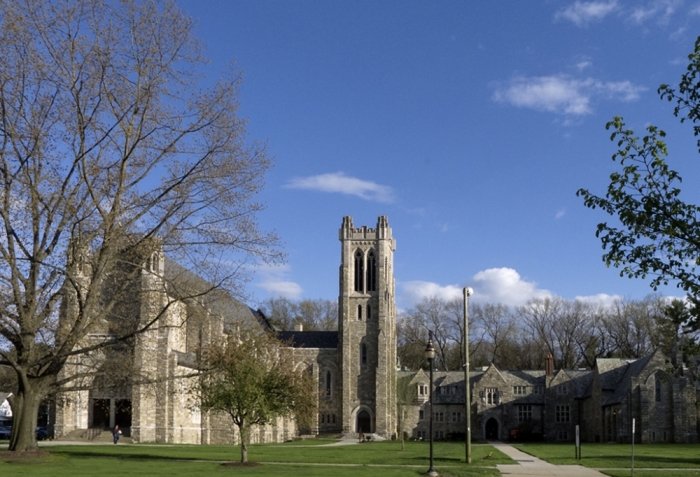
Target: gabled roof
column 492, row 369
column 632, row 370
column 581, row 382
column 419, row 376
column 611, row 371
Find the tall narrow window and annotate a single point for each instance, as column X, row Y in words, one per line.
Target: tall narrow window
column 359, row 312
column 562, row 414
column 369, row 312
column 658, row 389
column 491, row 395
column 371, row 271
column 328, row 383
column 359, row 271
column 363, row 354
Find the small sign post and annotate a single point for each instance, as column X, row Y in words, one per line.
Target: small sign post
column 632, row 447
column 578, row 444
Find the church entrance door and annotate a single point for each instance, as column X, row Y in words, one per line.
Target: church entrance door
column 492, row 429
column 100, row 413
column 364, row 422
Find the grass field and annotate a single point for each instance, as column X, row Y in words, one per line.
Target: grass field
column 312, row 458
column 308, row 458
column 676, row 460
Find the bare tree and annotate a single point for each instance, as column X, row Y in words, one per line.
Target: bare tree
column 109, row 151
column 537, row 318
column 432, row 314
column 499, row 329
column 630, row 325
column 445, row 318
column 558, row 326
column 411, row 337
column 593, row 341
column 313, row 315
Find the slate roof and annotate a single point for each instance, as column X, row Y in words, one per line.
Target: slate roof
column 309, row 339
column 611, row 371
column 524, row 378
column 632, row 370
column 582, row 382
column 181, row 282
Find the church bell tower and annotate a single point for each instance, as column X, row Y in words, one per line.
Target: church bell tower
column 367, row 328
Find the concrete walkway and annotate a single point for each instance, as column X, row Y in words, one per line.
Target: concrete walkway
column 532, row 466
column 345, row 441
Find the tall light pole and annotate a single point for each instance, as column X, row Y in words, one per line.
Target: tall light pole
column 467, row 394
column 430, row 355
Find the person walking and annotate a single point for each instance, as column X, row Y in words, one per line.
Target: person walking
column 117, row 433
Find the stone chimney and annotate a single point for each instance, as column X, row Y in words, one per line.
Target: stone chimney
column 298, row 327
column 549, row 365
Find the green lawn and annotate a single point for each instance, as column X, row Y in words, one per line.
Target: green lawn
column 308, row 458
column 615, row 459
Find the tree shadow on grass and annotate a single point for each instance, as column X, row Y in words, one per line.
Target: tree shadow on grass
column 139, row 456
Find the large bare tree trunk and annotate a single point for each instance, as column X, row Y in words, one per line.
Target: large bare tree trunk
column 25, row 409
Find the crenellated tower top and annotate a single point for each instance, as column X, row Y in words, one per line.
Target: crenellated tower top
column 349, row 232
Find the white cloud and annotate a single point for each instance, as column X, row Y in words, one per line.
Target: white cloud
column 582, row 65
column 415, row 291
column 662, row 10
column 340, row 183
column 274, row 281
column 561, row 213
column 622, row 90
column 545, row 93
column 505, row 285
column 284, row 289
column 581, row 13
column 495, row 285
column 678, row 61
column 678, row 34
column 562, row 94
column 695, row 10
column 602, row 299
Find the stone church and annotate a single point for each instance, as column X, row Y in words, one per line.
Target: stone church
column 355, row 370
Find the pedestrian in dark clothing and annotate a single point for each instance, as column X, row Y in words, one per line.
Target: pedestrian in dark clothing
column 117, row 433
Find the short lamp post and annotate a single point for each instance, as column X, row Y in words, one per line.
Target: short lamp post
column 430, row 356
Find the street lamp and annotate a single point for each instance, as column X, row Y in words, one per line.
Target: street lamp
column 467, row 395
column 430, row 356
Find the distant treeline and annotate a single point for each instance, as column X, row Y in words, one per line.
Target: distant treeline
column 575, row 332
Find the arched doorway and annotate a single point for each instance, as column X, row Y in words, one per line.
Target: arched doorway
column 364, row 422
column 492, row 429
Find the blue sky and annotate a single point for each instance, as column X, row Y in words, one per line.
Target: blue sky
column 469, row 124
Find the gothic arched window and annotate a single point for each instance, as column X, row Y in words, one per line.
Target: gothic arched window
column 371, row 271
column 369, row 312
column 328, row 383
column 363, row 354
column 359, row 271
column 359, row 312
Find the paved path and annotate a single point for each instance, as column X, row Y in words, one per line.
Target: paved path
column 529, row 466
column 345, row 441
